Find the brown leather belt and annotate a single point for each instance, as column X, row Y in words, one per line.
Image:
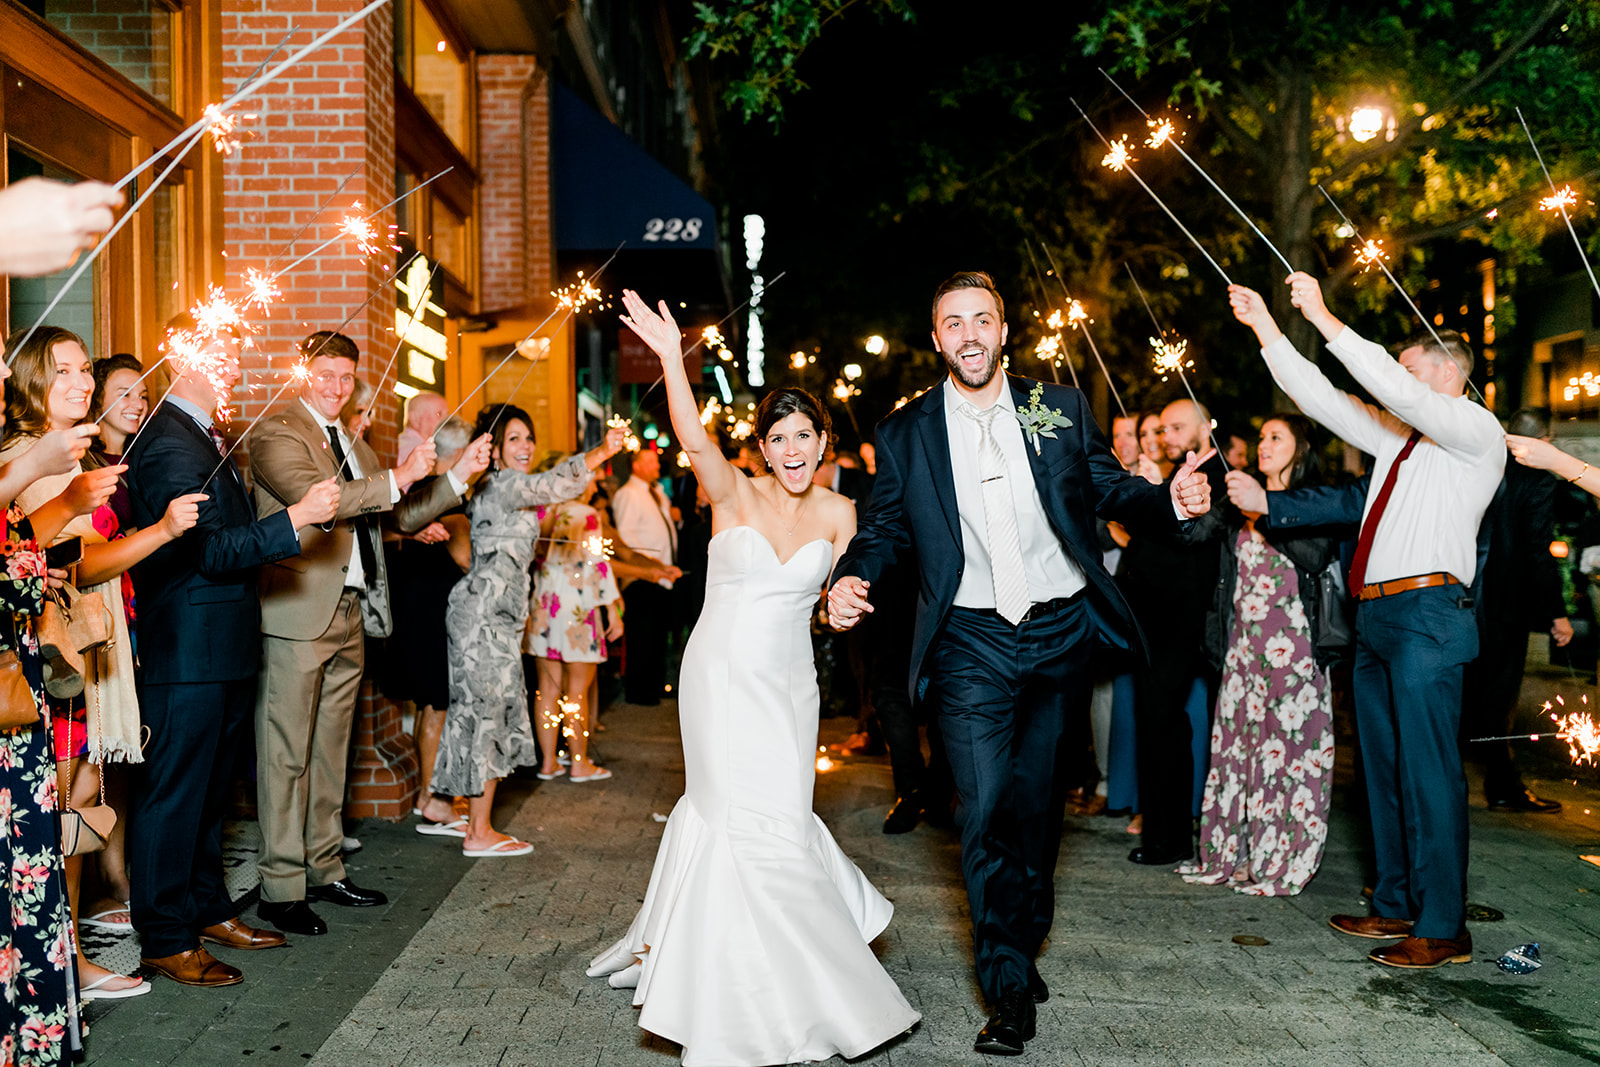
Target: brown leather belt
column 1405, row 585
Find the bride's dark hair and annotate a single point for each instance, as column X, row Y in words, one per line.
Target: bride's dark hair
column 781, row 403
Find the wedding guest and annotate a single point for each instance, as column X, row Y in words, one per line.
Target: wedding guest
column 1264, row 822
column 1439, row 460
column 1152, row 444
column 644, row 519
column 1238, row 454
column 1125, row 439
column 315, row 615
column 51, row 391
column 356, row 415
column 201, row 626
column 487, row 733
column 424, row 413
column 576, row 609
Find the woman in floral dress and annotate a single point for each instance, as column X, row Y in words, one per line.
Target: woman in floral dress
column 1264, row 820
column 486, row 732
column 576, row 610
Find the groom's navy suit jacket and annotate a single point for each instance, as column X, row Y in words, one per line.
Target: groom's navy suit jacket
column 914, row 506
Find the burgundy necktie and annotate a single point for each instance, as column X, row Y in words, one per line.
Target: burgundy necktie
column 1369, row 528
column 217, row 440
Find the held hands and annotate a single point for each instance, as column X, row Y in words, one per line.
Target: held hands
column 1191, row 490
column 847, row 600
column 319, row 505
column 181, row 515
column 45, row 224
column 474, row 459
column 91, row 489
column 659, row 331
column 1246, row 493
column 432, row 534
column 418, row 465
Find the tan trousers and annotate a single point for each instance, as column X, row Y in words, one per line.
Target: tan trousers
column 304, row 711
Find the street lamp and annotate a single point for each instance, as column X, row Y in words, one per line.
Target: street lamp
column 876, row 345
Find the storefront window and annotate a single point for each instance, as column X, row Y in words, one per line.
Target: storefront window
column 450, row 240
column 134, row 37
column 438, row 72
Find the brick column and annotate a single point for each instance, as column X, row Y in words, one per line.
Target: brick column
column 513, row 165
column 330, row 115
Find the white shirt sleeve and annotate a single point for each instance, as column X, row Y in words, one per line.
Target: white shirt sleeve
column 1357, row 422
column 1450, row 424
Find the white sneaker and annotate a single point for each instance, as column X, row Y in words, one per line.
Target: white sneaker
column 350, row 845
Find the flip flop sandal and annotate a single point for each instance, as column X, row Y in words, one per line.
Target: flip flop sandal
column 509, row 847
column 453, row 828
column 99, row 921
column 93, row 990
column 543, row 777
column 600, row 775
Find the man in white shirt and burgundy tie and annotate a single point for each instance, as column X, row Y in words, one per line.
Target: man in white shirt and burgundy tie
column 1439, row 458
column 644, row 522
column 995, row 481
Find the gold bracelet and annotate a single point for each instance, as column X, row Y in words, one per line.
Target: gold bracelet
column 1580, row 474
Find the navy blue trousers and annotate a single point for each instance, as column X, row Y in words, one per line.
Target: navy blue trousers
column 1004, row 695
column 1411, row 651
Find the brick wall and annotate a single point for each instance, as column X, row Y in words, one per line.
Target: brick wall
column 514, row 166
column 539, row 235
column 317, row 123
column 133, row 36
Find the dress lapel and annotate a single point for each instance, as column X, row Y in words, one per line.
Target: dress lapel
column 936, row 442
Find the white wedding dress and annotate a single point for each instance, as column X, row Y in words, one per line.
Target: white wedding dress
column 751, row 947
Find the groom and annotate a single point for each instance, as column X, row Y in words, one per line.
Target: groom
column 1013, row 602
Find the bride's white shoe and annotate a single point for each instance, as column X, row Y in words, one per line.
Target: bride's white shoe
column 627, row 978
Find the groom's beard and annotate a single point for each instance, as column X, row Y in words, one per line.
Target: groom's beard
column 985, row 373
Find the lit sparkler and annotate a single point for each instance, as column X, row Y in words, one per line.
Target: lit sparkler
column 712, row 335
column 1560, row 200
column 1078, row 318
column 1557, row 202
column 1055, row 319
column 1172, row 357
column 1118, row 157
column 1371, row 254
column 1163, row 133
column 1049, row 346
column 222, row 127
column 299, row 372
column 263, row 289
column 360, row 229
column 684, row 462
column 617, row 422
column 599, row 547
column 742, row 429
column 1075, row 312
column 352, row 226
column 1159, row 203
column 1577, row 729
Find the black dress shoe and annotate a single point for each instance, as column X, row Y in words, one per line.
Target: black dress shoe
column 1036, row 987
column 346, row 894
column 1156, row 856
column 903, row 817
column 1012, row 1023
column 292, row 917
column 1524, row 801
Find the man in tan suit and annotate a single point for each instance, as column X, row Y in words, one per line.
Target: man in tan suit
column 315, row 609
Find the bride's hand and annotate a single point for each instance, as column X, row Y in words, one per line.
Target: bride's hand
column 659, row 331
column 847, row 600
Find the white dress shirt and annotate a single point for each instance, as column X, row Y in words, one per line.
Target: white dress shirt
column 1443, row 487
column 1051, row 573
column 356, row 576
column 644, row 521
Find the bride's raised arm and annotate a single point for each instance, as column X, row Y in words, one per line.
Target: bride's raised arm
column 717, row 476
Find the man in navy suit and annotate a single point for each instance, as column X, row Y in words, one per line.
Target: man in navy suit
column 199, row 645
column 995, row 483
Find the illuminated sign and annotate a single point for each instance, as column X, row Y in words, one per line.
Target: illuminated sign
column 419, row 323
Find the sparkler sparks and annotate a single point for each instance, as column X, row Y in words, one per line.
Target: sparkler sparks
column 1075, row 313
column 1578, row 730
column 1371, row 255
column 263, row 289
column 222, row 126
column 360, row 228
column 712, row 336
column 1160, row 133
column 1559, row 200
column 617, row 422
column 1118, row 157
column 599, row 547
column 843, row 390
column 575, row 296
column 1049, row 346
column 1170, row 357
column 1054, row 321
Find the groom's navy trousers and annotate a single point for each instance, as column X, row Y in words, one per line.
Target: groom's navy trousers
column 1003, row 697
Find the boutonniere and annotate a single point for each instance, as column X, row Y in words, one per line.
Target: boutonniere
column 1040, row 421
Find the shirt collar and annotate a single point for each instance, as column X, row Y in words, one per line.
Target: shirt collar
column 953, row 398
column 322, row 422
column 192, row 410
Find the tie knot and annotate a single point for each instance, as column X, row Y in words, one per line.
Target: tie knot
column 984, row 418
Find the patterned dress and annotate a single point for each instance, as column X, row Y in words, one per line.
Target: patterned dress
column 569, row 588
column 487, row 731
column 35, row 944
column 1265, row 818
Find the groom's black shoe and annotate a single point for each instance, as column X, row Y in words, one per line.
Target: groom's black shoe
column 1036, row 987
column 904, row 816
column 1011, row 1024
column 1158, row 856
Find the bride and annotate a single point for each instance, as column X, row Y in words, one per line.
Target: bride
column 751, row 946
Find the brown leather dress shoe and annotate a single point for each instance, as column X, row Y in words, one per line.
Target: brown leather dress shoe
column 195, row 967
column 1373, row 926
column 1421, row 953
column 235, row 934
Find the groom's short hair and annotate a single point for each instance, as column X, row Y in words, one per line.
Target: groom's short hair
column 968, row 279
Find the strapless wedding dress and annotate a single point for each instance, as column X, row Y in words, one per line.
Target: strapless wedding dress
column 751, row 947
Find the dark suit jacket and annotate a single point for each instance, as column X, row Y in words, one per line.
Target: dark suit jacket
column 1520, row 587
column 199, row 617
column 914, row 506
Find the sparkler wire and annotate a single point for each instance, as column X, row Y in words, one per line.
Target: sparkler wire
column 1398, row 288
column 1129, row 168
column 1060, row 345
column 1582, row 255
column 1201, row 171
column 374, row 213
column 1083, row 324
column 1211, row 433
column 289, row 245
column 400, row 340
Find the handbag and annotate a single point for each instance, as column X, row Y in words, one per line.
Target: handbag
column 71, row 623
column 17, row 705
column 85, row 829
column 1335, row 639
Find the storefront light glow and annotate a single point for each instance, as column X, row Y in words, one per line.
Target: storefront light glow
column 722, row 384
column 755, row 232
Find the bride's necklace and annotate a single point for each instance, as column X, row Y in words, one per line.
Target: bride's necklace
column 799, row 512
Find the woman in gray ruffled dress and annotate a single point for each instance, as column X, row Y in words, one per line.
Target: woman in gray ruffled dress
column 487, row 733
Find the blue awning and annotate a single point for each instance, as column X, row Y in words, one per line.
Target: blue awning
column 609, row 191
